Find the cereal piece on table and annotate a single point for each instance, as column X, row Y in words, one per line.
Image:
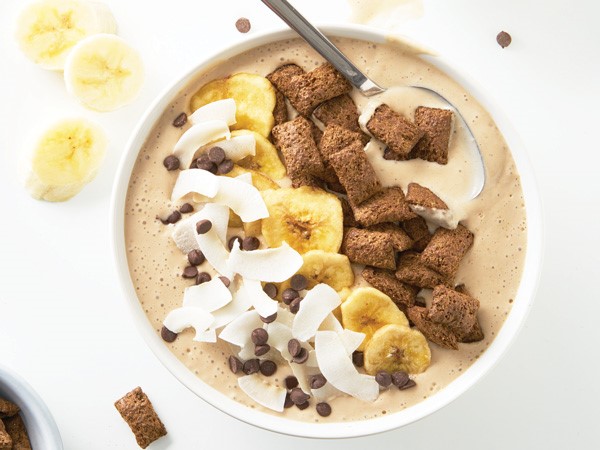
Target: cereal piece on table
column 282, row 76
column 400, row 240
column 336, row 138
column 394, row 130
column 402, row 294
column 349, row 220
column 371, row 248
column 437, row 125
column 137, row 410
column 446, row 250
column 280, row 112
column 341, row 111
column 438, row 334
column 455, row 310
column 7, row 408
column 418, row 231
column 388, row 205
column 15, row 427
column 422, row 196
column 412, row 271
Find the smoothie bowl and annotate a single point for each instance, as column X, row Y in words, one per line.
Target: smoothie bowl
column 312, row 262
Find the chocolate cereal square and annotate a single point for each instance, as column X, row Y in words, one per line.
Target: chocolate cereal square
column 336, row 138
column 402, row 294
column 436, row 333
column 137, row 410
column 412, row 271
column 341, row 111
column 394, row 130
column 446, row 250
column 437, row 125
column 349, row 220
column 282, row 76
column 355, row 173
column 475, row 334
column 280, row 112
column 371, row 248
column 418, row 231
column 400, row 240
column 15, row 427
column 453, row 309
column 388, row 205
column 421, row 196
column 7, row 408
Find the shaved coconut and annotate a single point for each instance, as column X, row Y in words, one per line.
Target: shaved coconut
column 273, row 264
column 436, row 216
column 214, row 251
column 263, row 393
column 240, row 304
column 181, row 318
column 336, row 365
column 351, row 340
column 263, row 304
column 314, row 308
column 330, row 323
column 209, row 335
column 312, row 357
column 247, row 352
column 279, row 336
column 197, row 136
column 326, row 392
column 236, row 148
column 218, row 110
column 195, row 180
column 184, row 233
column 303, row 372
column 285, row 316
column 238, row 331
column 242, row 197
column 209, row 296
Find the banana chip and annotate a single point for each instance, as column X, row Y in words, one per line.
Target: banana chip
column 265, row 160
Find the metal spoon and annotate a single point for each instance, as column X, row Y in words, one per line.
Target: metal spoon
column 359, row 80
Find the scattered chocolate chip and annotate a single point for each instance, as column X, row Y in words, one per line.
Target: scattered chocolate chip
column 203, row 226
column 203, row 277
column 503, row 39
column 294, row 347
column 295, row 305
column 225, row 281
column 206, row 164
column 232, row 241
column 259, row 336
column 251, row 366
column 303, row 406
column 196, row 257
column 358, row 358
column 323, row 409
column 317, row 381
column 225, row 167
column 250, row 243
column 171, row 162
column 301, row 357
column 261, row 350
column 167, row 335
column 235, row 365
column 269, row 319
column 174, row 217
column 288, row 403
column 299, row 282
column 270, row 289
column 289, row 295
column 242, row 25
column 186, row 208
column 383, row 378
column 268, row 368
column 298, row 396
column 194, row 164
column 180, row 120
column 190, row 272
column 216, row 155
column 408, row 385
column 290, row 382
column 400, row 378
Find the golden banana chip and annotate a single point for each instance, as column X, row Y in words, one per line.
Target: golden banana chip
column 266, row 160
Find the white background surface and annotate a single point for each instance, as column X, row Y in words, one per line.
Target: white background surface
column 65, row 327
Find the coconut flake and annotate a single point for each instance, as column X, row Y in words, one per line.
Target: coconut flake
column 238, row 331
column 273, row 264
column 236, row 148
column 351, row 340
column 242, row 197
column 336, row 365
column 209, row 335
column 302, row 372
column 197, row 136
column 209, row 296
column 215, row 252
column 279, row 336
column 181, row 318
column 314, row 308
column 263, row 393
column 285, row 316
column 194, row 180
column 240, row 304
column 331, row 323
column 218, row 110
column 326, row 392
column 263, row 304
column 184, row 233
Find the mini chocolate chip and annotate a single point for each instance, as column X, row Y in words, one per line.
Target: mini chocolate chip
column 409, row 384
column 186, row 208
column 261, row 350
column 250, row 243
column 235, row 365
column 317, row 381
column 203, row 277
column 216, row 155
column 298, row 396
column 251, row 366
column 323, row 409
column 269, row 319
column 288, row 295
column 174, row 217
column 171, row 162
column 301, row 357
column 303, row 406
column 400, row 378
column 232, row 241
column 294, row 347
column 259, row 336
column 288, row 403
column 190, row 272
column 503, row 39
column 203, row 226
column 383, row 378
column 196, row 257
column 225, row 281
column 290, row 382
column 180, row 120
column 358, row 358
column 295, row 305
column 167, row 335
column 268, row 368
column 299, row 282
column 270, row 289
column 194, row 164
column 243, row 25
column 206, row 164
column 225, row 167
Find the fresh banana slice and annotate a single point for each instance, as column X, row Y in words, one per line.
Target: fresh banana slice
column 396, row 347
column 47, row 30
column 306, row 218
column 65, row 158
column 367, row 309
column 266, row 160
column 104, row 72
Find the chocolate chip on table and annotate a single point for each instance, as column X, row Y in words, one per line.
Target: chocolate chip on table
column 288, row 403
column 269, row 319
column 294, row 346
column 196, row 257
column 259, row 336
column 290, row 382
column 295, row 305
column 190, row 272
column 225, row 167
column 235, row 365
column 203, row 226
column 186, row 208
column 268, row 368
column 260, row 350
column 358, row 358
column 203, row 277
column 299, row 282
column 250, row 243
column 171, row 162
column 298, row 396
column 232, row 241
column 206, row 164
column 243, row 25
column 216, row 154
column 503, row 39
column 317, row 381
column 400, row 378
column 408, row 385
column 225, row 281
column 251, row 366
column 301, row 357
column 270, row 289
column 323, row 409
column 383, row 378
column 288, row 295
column 167, row 335
column 303, row 406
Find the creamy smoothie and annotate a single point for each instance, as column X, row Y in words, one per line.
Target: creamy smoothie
column 491, row 269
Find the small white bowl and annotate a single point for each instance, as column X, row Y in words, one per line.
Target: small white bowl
column 41, row 427
column 470, row 376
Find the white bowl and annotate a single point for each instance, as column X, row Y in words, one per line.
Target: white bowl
column 41, row 427
column 470, row 376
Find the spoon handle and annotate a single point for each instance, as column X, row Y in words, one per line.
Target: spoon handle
column 324, row 46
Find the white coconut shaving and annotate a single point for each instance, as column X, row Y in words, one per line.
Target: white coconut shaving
column 242, row 197
column 194, row 180
column 325, row 393
column 314, row 309
column 215, row 252
column 235, row 308
column 188, row 317
column 209, row 296
column 238, row 331
column 198, row 136
column 262, row 392
column 236, row 148
column 263, row 304
column 351, row 340
column 331, row 323
column 184, row 233
column 223, row 110
column 279, row 336
column 272, row 265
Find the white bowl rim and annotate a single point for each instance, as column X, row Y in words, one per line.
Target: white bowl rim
column 521, row 304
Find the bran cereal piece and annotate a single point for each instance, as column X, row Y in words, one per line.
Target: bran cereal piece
column 280, row 112
column 418, row 231
column 412, row 271
column 446, row 249
column 422, row 196
column 6, row 442
column 306, row 180
column 402, row 294
column 15, row 427
column 475, row 334
column 437, row 125
column 349, row 220
column 336, row 138
column 453, row 309
column 436, row 333
column 317, row 134
column 137, row 410
column 355, row 173
column 341, row 111
column 8, row 408
column 281, row 77
column 394, row 130
column 400, row 240
column 371, row 248
column 388, row 205
column 391, row 156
